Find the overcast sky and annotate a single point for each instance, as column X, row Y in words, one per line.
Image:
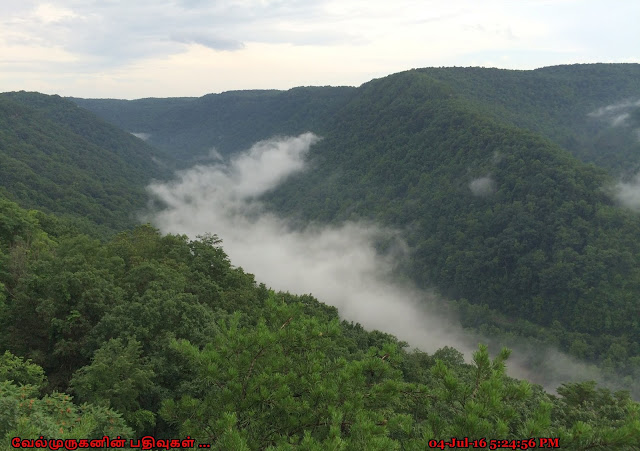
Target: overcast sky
column 161, row 48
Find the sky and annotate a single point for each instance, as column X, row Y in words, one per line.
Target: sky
column 171, row 48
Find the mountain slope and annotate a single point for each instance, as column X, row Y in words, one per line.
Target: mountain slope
column 493, row 214
column 567, row 104
column 472, row 165
column 573, row 105
column 162, row 336
column 62, row 159
column 230, row 121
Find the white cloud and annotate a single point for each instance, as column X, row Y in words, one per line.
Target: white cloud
column 616, row 114
column 628, row 193
column 337, row 264
column 142, row 136
column 48, row 13
column 619, row 120
column 482, row 186
column 148, row 48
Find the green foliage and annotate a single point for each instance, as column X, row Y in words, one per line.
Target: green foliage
column 189, row 127
column 59, row 158
column 117, row 378
column 594, row 418
column 162, row 335
column 17, row 371
column 24, row 414
column 276, row 386
column 559, row 103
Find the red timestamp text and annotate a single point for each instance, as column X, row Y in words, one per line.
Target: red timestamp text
column 466, row 442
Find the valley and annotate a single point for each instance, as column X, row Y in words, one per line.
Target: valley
column 328, row 266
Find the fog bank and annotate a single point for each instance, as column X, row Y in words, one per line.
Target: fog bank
column 482, row 186
column 337, row 264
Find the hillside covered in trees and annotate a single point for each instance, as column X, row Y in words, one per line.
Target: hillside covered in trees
column 575, row 106
column 161, row 335
column 494, row 215
column 504, row 185
column 591, row 110
column 189, row 128
column 484, row 173
column 63, row 159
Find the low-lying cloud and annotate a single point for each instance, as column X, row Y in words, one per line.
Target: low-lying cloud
column 142, row 136
column 550, row 367
column 616, row 114
column 482, row 186
column 338, row 264
column 628, row 193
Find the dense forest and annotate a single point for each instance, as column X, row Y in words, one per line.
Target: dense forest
column 574, row 106
column 502, row 183
column 189, row 128
column 161, row 335
column 65, row 160
column 537, row 239
column 485, row 172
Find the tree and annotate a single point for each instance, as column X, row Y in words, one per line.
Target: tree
column 117, row 378
column 24, row 413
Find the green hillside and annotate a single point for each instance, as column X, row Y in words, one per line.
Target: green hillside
column 539, row 250
column 562, row 103
column 161, row 335
column 230, row 121
column 65, row 160
column 557, row 102
column 539, row 240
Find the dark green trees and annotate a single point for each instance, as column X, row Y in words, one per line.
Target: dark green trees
column 161, row 335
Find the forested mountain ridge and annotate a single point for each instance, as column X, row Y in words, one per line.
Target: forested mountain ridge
column 230, row 121
column 64, row 159
column 574, row 105
column 559, row 102
column 473, row 165
column 161, row 335
column 496, row 215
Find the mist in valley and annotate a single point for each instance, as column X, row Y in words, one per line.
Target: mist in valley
column 338, row 264
column 624, row 117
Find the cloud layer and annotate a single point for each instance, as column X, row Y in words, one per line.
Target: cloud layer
column 337, row 264
column 166, row 48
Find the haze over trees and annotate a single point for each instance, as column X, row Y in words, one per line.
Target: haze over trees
column 502, row 183
column 475, row 167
